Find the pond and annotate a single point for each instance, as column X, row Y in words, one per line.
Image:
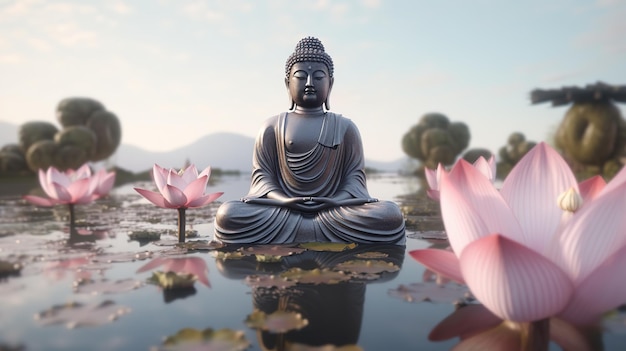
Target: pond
column 95, row 292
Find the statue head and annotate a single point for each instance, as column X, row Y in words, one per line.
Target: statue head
column 309, row 74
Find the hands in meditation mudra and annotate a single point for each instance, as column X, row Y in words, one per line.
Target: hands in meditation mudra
column 308, row 181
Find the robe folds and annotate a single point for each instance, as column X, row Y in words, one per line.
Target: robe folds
column 334, row 164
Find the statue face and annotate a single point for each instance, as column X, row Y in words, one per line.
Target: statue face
column 309, row 84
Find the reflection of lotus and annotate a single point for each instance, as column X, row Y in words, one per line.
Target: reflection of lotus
column 521, row 255
column 72, row 186
column 479, row 329
column 195, row 266
column 433, row 177
column 180, row 190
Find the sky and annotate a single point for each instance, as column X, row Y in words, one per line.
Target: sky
column 176, row 70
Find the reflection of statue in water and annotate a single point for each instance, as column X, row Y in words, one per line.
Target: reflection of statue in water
column 308, row 180
column 334, row 311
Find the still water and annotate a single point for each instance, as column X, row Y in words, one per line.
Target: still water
column 94, row 293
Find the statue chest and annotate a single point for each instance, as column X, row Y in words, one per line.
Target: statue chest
column 302, row 133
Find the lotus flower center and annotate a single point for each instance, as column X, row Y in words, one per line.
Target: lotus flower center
column 570, row 200
column 181, row 171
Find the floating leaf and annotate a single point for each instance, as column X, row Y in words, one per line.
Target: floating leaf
column 76, row 314
column 272, row 250
column 232, row 255
column 278, row 322
column 369, row 255
column 367, row 266
column 119, row 257
column 315, row 276
column 418, row 292
column 207, row 340
column 202, row 245
column 333, row 247
column 87, row 286
column 268, row 281
column 9, row 268
column 144, row 235
column 172, row 280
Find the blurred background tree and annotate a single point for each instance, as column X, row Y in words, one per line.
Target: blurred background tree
column 516, row 147
column 434, row 139
column 592, row 135
column 89, row 133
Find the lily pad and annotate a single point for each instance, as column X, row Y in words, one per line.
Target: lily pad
column 172, row 280
column 433, row 292
column 76, row 314
column 367, row 266
column 269, row 281
column 272, row 250
column 315, row 276
column 333, row 247
column 201, row 245
column 104, row 286
column 277, row 322
column 8, row 269
column 208, row 340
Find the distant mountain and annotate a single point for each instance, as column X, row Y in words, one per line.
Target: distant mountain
column 227, row 151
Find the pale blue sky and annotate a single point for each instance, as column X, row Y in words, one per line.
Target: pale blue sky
column 174, row 71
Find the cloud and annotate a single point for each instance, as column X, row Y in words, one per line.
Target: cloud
column 71, row 34
column 10, row 58
column 121, row 7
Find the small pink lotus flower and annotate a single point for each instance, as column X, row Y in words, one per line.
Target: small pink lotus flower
column 528, row 251
column 184, row 189
column 180, row 190
column 72, row 186
column 195, row 266
column 433, row 177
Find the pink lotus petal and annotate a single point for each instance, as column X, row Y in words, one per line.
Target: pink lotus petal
column 105, row 182
column 190, row 174
column 532, row 189
column 174, row 196
column 195, row 188
column 472, row 207
column 204, row 200
column 155, row 198
column 604, row 289
column 464, row 322
column 433, row 194
column 486, row 167
column 83, row 171
column 40, row 201
column 432, row 177
column 175, row 180
column 205, row 172
column 596, row 231
column 441, row 261
column 618, row 180
column 55, row 176
column 514, row 282
column 45, row 184
column 591, row 187
column 82, row 190
column 500, row 338
column 160, row 176
column 60, row 193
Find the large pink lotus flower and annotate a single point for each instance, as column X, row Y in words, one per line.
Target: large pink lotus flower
column 541, row 246
column 72, row 186
column 195, row 266
column 180, row 190
column 433, row 177
column 184, row 189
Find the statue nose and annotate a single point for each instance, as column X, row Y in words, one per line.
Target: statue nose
column 309, row 81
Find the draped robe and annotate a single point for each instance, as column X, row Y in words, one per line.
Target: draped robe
column 334, row 164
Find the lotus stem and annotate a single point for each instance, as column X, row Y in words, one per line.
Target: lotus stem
column 181, row 225
column 535, row 335
column 72, row 218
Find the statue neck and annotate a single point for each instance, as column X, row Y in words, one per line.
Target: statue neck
column 308, row 110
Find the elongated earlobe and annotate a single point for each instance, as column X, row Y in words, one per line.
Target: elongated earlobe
column 327, row 104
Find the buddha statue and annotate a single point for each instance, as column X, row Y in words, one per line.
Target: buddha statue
column 308, row 182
